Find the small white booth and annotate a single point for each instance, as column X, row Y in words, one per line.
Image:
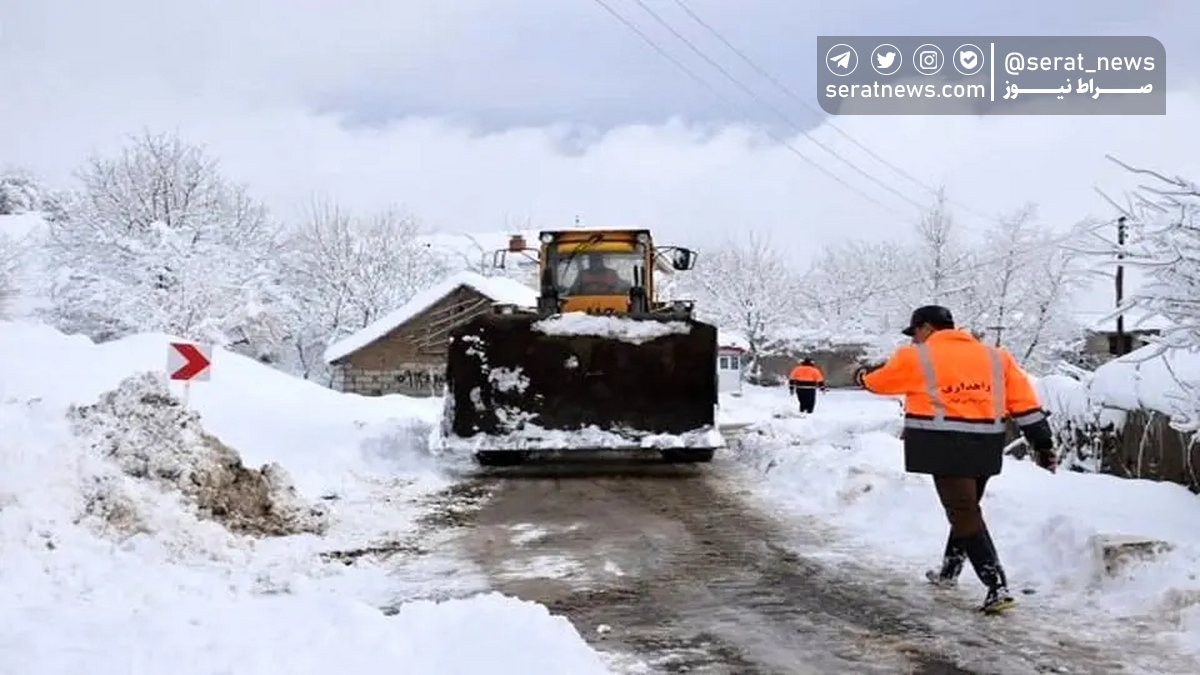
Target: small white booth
column 731, row 363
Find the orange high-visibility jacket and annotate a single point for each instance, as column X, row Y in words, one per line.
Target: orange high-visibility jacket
column 805, row 377
column 958, row 394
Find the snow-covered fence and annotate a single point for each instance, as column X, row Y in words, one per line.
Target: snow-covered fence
column 1114, row 423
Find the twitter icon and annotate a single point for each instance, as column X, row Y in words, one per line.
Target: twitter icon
column 886, row 59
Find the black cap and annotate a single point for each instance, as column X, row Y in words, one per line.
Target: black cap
column 934, row 315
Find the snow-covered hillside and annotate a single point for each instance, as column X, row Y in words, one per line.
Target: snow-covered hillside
column 132, row 531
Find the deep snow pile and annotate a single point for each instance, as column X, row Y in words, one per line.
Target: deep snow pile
column 844, row 464
column 150, row 435
column 115, row 553
column 616, row 327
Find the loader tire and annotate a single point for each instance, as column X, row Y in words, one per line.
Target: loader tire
column 500, row 457
column 688, row 456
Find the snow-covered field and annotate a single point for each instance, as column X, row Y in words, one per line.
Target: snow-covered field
column 844, row 466
column 120, row 551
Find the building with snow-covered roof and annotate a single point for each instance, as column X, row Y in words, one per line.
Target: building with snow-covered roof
column 1103, row 340
column 404, row 352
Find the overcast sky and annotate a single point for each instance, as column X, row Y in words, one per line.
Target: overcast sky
column 473, row 113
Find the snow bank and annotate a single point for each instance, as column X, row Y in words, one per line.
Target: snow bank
column 845, row 465
column 267, row 415
column 501, row 290
column 150, row 435
column 1146, row 379
column 617, row 327
column 120, row 515
column 487, row 634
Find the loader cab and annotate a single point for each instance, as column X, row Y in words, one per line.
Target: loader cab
column 600, row 271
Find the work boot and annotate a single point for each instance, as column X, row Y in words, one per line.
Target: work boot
column 982, row 554
column 997, row 600
column 952, row 564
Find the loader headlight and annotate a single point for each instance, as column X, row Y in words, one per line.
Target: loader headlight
column 643, row 238
column 547, row 238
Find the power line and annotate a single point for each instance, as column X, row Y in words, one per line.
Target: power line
column 788, row 92
column 704, row 83
column 783, row 116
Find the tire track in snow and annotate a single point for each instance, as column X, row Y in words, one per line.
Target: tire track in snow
column 667, row 564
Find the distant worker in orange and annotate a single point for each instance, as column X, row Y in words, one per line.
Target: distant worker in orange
column 958, row 393
column 804, row 380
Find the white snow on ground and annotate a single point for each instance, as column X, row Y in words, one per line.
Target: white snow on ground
column 844, row 466
column 616, row 327
column 112, row 564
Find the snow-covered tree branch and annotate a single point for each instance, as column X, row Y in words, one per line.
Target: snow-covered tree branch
column 750, row 286
column 159, row 240
column 1163, row 221
column 348, row 271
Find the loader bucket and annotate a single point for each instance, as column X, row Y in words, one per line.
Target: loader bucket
column 516, row 382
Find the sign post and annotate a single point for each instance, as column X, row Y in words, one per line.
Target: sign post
column 188, row 362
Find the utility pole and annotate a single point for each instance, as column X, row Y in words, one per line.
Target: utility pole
column 1120, row 286
column 999, row 331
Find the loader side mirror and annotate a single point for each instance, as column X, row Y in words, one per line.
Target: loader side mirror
column 499, row 258
column 683, row 259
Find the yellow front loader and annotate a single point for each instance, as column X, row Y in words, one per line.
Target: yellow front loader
column 600, row 364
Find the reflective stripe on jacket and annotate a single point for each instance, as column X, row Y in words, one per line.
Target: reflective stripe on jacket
column 803, row 376
column 953, row 382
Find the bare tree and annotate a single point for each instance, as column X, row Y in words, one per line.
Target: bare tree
column 859, row 283
column 11, row 253
column 1054, row 280
column 159, row 240
column 747, row 285
column 941, row 254
column 348, row 271
column 1009, row 243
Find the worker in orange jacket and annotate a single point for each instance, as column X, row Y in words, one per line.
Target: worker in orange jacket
column 958, row 395
column 804, row 380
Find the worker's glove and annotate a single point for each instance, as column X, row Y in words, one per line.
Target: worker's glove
column 1046, row 458
column 860, row 374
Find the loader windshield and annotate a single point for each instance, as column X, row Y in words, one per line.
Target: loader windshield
column 598, row 273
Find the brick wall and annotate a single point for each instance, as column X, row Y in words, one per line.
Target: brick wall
column 410, row 360
column 413, row 379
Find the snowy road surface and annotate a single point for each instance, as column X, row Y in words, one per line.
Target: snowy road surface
column 670, row 564
column 688, row 568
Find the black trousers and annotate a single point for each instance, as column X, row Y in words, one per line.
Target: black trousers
column 969, row 537
column 807, row 397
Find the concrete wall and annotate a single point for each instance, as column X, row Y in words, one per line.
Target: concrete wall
column 837, row 365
